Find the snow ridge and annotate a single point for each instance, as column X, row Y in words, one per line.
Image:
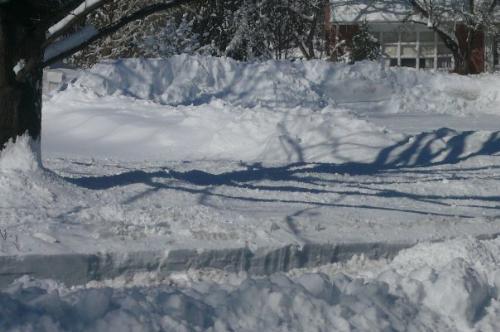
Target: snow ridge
column 194, row 80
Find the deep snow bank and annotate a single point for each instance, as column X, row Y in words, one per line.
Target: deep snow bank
column 186, row 80
column 127, row 129
column 449, row 286
column 193, row 108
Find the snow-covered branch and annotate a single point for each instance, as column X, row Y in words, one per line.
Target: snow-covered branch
column 61, row 46
column 77, row 14
column 87, row 35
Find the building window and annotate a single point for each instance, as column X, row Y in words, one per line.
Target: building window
column 445, row 62
column 409, row 63
column 417, row 49
column 426, row 63
column 391, row 37
column 408, row 37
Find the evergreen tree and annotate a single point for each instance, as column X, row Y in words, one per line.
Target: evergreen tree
column 364, row 45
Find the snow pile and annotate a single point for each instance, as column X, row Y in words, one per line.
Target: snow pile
column 23, row 185
column 450, row 286
column 114, row 127
column 30, row 196
column 20, row 156
column 195, row 80
column 371, row 87
column 127, row 129
column 457, row 280
column 196, row 108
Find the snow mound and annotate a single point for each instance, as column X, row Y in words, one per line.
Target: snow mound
column 125, row 129
column 29, row 194
column 195, row 80
column 188, row 80
column 196, row 108
column 456, row 279
column 20, row 156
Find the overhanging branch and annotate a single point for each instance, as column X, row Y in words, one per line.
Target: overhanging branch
column 76, row 15
column 58, row 10
column 115, row 26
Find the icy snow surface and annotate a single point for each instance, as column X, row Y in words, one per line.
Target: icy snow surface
column 158, row 166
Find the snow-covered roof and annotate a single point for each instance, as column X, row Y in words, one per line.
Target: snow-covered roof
column 369, row 10
column 350, row 11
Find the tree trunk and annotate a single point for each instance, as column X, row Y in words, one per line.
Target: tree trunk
column 21, row 92
column 461, row 63
column 466, row 53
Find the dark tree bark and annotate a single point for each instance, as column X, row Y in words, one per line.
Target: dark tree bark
column 20, row 93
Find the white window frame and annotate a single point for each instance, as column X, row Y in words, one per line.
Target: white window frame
column 418, row 44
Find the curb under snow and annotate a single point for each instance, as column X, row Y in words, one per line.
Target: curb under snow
column 79, row 268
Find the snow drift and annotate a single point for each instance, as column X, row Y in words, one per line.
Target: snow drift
column 113, row 127
column 194, row 80
column 199, row 108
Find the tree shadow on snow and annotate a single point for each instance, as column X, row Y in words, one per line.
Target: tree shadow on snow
column 416, row 154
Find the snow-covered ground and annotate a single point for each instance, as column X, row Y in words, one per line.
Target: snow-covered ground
column 448, row 286
column 155, row 167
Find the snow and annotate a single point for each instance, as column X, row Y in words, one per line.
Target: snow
column 20, row 156
column 271, row 108
column 195, row 80
column 19, row 66
column 199, row 193
column 69, row 19
column 448, row 286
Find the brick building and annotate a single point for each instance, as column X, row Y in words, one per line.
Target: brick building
column 405, row 38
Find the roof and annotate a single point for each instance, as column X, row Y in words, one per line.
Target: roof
column 350, row 11
column 353, row 11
